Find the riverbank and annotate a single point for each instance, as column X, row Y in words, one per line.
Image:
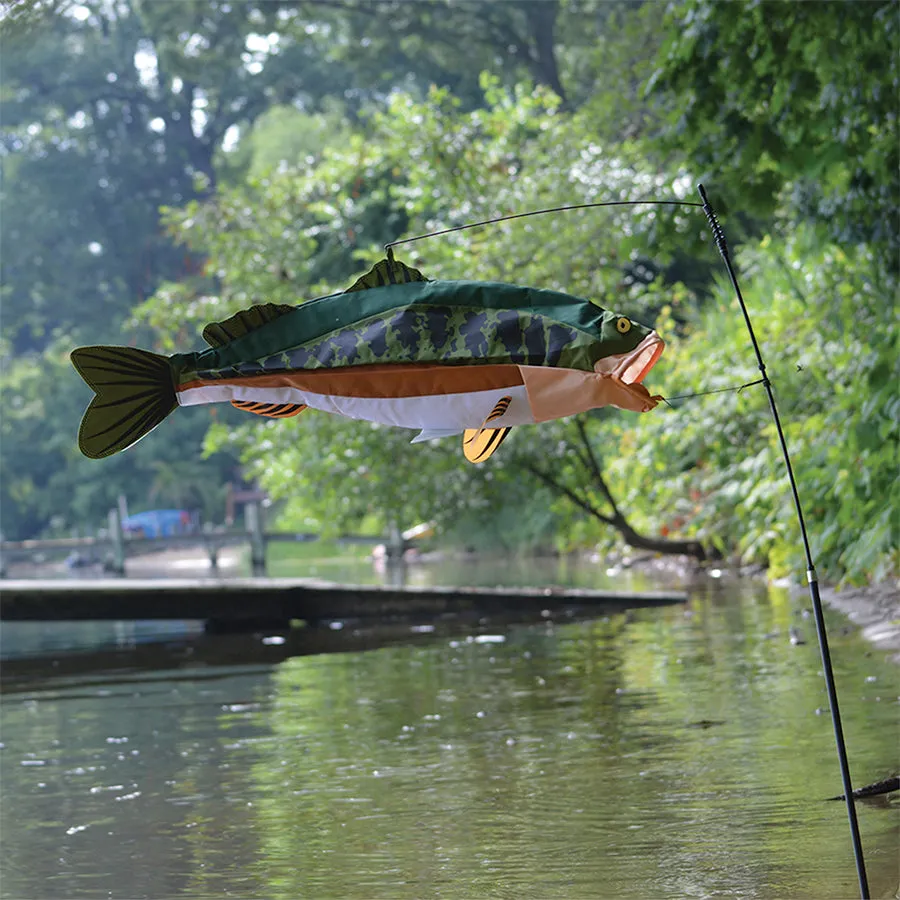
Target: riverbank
column 172, row 563
column 191, row 561
column 874, row 609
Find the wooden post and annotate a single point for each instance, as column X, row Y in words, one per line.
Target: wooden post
column 229, row 504
column 253, row 516
column 117, row 541
column 395, row 543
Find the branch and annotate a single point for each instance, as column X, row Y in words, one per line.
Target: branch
column 351, row 8
column 567, row 492
column 586, row 461
column 594, row 468
column 108, row 95
column 618, row 521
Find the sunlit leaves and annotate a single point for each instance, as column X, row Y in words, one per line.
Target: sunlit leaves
column 829, row 336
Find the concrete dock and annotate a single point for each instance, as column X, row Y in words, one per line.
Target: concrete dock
column 243, row 601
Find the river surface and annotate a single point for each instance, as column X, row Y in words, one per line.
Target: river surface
column 660, row 753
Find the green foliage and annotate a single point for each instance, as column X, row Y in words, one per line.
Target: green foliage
column 297, row 232
column 44, row 478
column 712, row 466
column 111, row 111
column 391, row 44
column 709, row 469
column 793, row 101
column 284, row 237
column 287, row 141
column 284, row 136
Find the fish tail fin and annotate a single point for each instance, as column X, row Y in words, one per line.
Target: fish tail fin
column 134, row 393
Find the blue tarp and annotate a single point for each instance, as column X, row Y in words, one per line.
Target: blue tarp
column 159, row 523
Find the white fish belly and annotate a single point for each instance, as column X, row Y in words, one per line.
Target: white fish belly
column 443, row 411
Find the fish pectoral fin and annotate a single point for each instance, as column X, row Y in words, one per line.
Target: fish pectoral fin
column 430, row 434
column 270, row 410
column 479, row 444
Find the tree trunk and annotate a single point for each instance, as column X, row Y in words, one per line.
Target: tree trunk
column 541, row 21
column 664, row 545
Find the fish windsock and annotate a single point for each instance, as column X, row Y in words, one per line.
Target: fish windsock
column 134, row 392
column 443, row 357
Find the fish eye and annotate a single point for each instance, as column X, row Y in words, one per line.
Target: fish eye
column 623, row 325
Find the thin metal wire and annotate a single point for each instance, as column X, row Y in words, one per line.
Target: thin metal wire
column 537, row 212
column 719, row 237
column 716, row 391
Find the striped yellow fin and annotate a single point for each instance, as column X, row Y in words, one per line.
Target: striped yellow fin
column 388, row 271
column 217, row 334
column 500, row 408
column 480, row 443
column 272, row 410
column 134, row 393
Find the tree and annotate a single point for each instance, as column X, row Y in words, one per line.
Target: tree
column 43, row 476
column 390, row 43
column 252, row 239
column 789, row 101
column 111, row 111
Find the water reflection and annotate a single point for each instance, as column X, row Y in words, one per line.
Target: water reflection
column 651, row 753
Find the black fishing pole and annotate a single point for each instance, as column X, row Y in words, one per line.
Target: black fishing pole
column 719, row 237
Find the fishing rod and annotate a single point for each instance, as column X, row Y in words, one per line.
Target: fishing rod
column 535, row 212
column 812, row 580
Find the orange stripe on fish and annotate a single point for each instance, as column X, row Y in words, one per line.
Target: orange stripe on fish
column 412, row 380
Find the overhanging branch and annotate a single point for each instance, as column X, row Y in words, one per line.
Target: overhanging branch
column 560, row 488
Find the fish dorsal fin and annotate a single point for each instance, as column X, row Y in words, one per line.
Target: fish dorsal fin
column 217, row 334
column 480, row 443
column 270, row 410
column 388, row 271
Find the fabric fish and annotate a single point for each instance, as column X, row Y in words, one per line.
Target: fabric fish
column 442, row 356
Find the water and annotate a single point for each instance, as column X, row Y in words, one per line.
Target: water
column 649, row 754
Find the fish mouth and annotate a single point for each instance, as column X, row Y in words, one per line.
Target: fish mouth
column 632, row 367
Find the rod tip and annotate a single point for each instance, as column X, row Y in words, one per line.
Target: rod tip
column 702, row 191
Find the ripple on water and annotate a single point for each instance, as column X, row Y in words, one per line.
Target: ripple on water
column 648, row 755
